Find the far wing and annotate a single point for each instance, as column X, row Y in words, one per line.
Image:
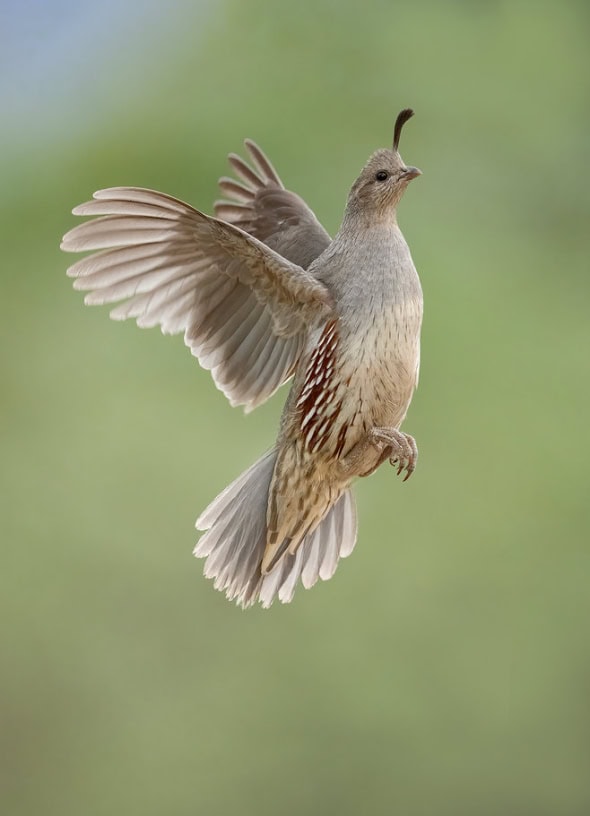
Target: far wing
column 261, row 206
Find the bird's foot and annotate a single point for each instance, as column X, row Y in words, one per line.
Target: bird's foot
column 400, row 447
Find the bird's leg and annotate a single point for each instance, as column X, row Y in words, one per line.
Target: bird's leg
column 400, row 448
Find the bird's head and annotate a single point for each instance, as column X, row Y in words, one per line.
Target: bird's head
column 383, row 179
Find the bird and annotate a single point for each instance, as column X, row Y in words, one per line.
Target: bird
column 263, row 296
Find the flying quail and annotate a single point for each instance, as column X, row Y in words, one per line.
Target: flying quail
column 263, row 295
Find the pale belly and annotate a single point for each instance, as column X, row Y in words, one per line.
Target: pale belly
column 364, row 384
column 377, row 396
column 382, row 394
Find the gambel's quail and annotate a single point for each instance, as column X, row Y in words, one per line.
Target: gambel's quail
column 263, row 294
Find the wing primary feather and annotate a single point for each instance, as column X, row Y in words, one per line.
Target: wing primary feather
column 236, row 190
column 142, row 194
column 116, row 207
column 231, row 212
column 244, row 171
column 263, row 164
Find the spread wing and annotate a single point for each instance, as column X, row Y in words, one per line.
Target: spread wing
column 243, row 305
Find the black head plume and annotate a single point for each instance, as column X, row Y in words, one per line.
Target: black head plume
column 401, row 120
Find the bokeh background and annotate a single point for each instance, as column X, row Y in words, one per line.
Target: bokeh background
column 445, row 669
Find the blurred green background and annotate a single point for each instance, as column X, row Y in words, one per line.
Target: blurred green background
column 445, row 669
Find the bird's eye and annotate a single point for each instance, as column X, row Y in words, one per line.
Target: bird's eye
column 381, row 175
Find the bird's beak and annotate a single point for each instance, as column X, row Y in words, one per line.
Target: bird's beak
column 411, row 173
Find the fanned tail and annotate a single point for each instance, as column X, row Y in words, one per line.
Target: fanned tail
column 236, row 535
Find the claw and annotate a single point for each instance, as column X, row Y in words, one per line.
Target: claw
column 403, row 449
column 405, row 458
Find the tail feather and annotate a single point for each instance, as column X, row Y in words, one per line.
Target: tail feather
column 347, row 525
column 235, row 540
column 331, row 549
